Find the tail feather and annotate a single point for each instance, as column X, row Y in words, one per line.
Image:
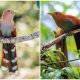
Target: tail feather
column 9, row 58
column 77, row 37
column 5, row 57
column 77, row 40
column 13, row 57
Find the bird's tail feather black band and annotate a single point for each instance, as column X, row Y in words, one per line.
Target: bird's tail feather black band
column 9, row 58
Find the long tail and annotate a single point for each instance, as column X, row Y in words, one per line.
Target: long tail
column 77, row 37
column 9, row 58
column 77, row 40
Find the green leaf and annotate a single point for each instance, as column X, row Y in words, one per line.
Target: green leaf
column 58, row 75
column 44, row 74
column 68, row 71
column 76, row 71
column 51, row 75
column 52, row 56
column 50, row 69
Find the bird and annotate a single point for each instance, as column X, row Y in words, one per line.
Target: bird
column 65, row 23
column 8, row 30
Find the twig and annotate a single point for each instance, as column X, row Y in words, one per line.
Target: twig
column 20, row 39
column 45, row 63
column 58, row 39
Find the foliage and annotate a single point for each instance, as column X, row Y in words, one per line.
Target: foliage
column 52, row 73
column 53, row 68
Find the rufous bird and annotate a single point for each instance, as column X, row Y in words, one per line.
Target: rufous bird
column 8, row 30
column 66, row 23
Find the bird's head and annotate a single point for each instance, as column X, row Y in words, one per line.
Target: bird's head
column 8, row 14
column 57, row 15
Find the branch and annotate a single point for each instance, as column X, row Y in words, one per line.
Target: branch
column 58, row 39
column 45, row 63
column 20, row 39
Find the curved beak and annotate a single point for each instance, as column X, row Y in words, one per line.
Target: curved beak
column 51, row 13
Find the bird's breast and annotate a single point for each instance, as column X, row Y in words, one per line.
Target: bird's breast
column 7, row 29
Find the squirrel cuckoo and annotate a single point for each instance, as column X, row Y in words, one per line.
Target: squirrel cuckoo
column 65, row 24
column 8, row 30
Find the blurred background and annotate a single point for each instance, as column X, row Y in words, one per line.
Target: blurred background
column 48, row 26
column 27, row 22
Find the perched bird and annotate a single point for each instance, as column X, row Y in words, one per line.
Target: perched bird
column 8, row 30
column 65, row 24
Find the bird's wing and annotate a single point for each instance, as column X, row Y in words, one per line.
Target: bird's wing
column 14, row 31
column 0, row 28
column 70, row 22
column 74, row 26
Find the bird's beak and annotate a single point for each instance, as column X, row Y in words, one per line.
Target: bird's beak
column 51, row 13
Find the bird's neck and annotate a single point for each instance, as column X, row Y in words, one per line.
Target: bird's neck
column 8, row 19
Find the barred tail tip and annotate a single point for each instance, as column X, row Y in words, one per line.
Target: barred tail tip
column 3, row 68
column 14, row 73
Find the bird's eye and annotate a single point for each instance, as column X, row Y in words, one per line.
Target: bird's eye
column 56, row 13
column 8, row 10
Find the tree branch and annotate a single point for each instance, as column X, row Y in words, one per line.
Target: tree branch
column 58, row 39
column 45, row 63
column 20, row 39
